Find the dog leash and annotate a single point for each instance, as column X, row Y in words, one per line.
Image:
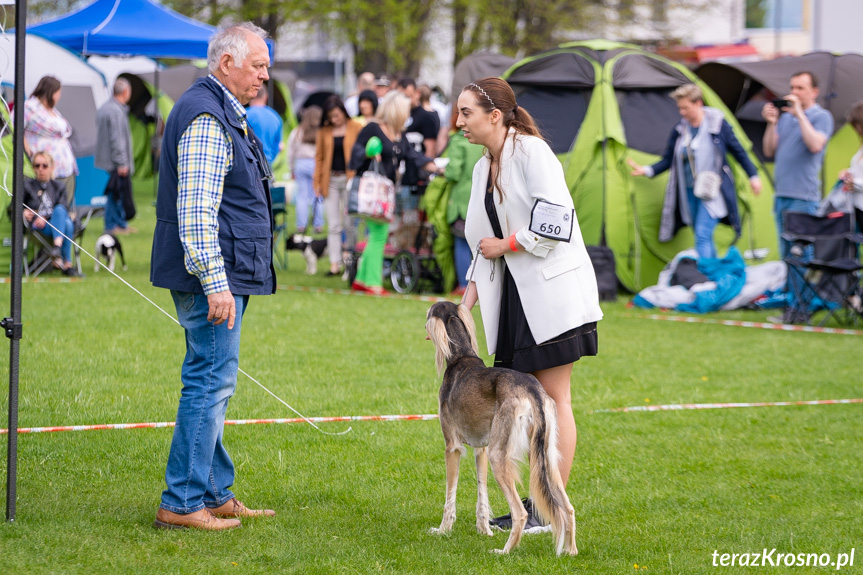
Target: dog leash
column 473, row 269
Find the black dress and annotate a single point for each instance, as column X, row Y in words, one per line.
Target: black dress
column 516, row 348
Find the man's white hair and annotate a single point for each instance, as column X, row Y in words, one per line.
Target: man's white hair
column 233, row 40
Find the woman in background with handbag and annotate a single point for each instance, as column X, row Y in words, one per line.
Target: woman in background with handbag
column 700, row 191
column 333, row 146
column 387, row 125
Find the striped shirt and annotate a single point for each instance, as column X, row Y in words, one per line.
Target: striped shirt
column 205, row 156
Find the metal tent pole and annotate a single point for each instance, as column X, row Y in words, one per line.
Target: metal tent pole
column 12, row 325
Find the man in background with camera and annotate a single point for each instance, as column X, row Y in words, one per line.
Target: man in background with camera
column 798, row 130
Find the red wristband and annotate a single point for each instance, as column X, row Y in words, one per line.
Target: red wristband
column 512, row 245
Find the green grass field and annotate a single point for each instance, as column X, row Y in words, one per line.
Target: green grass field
column 655, row 492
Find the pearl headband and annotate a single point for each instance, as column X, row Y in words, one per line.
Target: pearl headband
column 487, row 97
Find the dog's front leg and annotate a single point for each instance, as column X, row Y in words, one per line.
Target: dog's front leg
column 453, row 458
column 482, row 508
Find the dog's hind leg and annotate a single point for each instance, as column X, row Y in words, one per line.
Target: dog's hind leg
column 453, row 458
column 483, row 510
column 503, row 472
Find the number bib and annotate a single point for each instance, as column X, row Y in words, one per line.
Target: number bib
column 551, row 221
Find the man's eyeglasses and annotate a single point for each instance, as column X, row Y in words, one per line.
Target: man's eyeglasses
column 37, row 166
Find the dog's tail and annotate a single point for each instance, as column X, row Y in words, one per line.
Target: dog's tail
column 546, row 488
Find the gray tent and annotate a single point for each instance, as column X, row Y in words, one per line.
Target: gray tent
column 477, row 66
column 746, row 86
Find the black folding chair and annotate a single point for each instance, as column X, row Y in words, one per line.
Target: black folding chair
column 824, row 267
column 37, row 252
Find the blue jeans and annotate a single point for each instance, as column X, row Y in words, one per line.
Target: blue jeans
column 115, row 216
column 63, row 223
column 462, row 255
column 703, row 225
column 199, row 471
column 304, row 171
column 782, row 205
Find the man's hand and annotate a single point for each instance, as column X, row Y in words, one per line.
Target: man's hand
column 123, row 171
column 770, row 113
column 795, row 108
column 222, row 307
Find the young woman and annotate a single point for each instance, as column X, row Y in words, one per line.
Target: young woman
column 333, row 153
column 531, row 272
column 368, row 105
column 387, row 125
column 853, row 176
column 702, row 137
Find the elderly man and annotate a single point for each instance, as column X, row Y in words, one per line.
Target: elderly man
column 114, row 155
column 213, row 249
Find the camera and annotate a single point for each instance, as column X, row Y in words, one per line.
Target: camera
column 781, row 103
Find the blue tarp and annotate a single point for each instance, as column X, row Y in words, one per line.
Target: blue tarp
column 729, row 274
column 130, row 28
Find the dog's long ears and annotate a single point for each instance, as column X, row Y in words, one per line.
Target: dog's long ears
column 467, row 319
column 437, row 332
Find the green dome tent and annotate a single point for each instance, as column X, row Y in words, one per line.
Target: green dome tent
column 600, row 102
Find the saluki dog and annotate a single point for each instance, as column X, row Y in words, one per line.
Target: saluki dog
column 502, row 414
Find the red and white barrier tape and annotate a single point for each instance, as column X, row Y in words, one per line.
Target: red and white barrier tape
column 429, row 416
column 689, row 406
column 761, row 325
column 227, row 422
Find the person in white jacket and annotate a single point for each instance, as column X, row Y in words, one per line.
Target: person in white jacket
column 853, row 176
column 531, row 273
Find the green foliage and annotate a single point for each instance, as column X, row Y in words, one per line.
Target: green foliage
column 658, row 490
column 756, row 12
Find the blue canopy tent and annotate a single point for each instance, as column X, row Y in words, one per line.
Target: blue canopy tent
column 130, row 28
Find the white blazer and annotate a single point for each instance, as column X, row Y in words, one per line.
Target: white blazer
column 555, row 279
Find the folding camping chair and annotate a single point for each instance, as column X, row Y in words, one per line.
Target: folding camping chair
column 824, row 267
column 37, row 252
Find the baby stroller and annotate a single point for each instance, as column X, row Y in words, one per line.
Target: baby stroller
column 411, row 258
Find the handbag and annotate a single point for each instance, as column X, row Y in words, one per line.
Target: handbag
column 707, row 184
column 376, row 195
column 120, row 188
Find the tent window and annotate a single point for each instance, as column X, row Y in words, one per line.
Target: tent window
column 648, row 117
column 558, row 112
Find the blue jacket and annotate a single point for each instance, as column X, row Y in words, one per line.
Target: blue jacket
column 725, row 142
column 245, row 214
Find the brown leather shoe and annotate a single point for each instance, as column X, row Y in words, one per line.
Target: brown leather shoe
column 235, row 508
column 202, row 519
